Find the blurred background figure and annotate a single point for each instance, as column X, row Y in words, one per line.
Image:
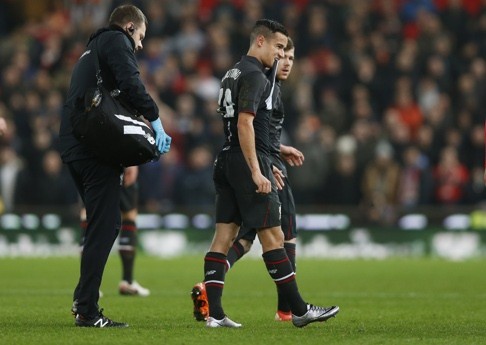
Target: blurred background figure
column 409, row 72
column 193, row 185
column 451, row 177
column 380, row 186
column 416, row 180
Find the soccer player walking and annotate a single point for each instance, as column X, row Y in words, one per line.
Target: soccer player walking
column 279, row 154
column 245, row 186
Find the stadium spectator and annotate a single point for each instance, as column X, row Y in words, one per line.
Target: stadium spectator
column 475, row 189
column 380, row 186
column 439, row 46
column 342, row 186
column 193, row 184
column 15, row 181
column 408, row 110
column 157, row 182
column 52, row 185
column 451, row 178
column 309, row 179
column 416, row 180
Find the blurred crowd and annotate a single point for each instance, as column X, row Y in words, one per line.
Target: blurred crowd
column 386, row 99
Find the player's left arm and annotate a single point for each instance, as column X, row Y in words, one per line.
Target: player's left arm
column 246, row 135
column 291, row 155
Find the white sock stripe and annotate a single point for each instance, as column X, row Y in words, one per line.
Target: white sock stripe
column 214, row 281
column 283, row 278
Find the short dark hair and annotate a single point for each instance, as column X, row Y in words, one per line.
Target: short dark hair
column 127, row 13
column 267, row 27
column 290, row 45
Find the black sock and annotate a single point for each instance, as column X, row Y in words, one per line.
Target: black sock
column 290, row 250
column 235, row 253
column 127, row 248
column 215, row 267
column 280, row 269
column 283, row 305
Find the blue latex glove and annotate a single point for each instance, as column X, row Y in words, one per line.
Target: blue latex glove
column 162, row 140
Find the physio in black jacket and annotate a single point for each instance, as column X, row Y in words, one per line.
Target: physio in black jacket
column 98, row 182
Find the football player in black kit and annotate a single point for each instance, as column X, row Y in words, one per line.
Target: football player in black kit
column 279, row 154
column 246, row 190
column 127, row 240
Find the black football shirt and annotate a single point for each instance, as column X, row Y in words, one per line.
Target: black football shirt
column 246, row 88
column 276, row 120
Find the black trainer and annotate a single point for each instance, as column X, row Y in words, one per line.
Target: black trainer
column 99, row 322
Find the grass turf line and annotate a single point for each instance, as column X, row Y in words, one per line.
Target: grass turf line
column 401, row 301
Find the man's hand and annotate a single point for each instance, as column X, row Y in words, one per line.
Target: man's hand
column 263, row 184
column 279, row 177
column 292, row 156
column 162, row 140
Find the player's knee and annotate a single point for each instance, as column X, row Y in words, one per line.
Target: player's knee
column 271, row 238
column 246, row 245
column 292, row 240
column 130, row 215
column 224, row 237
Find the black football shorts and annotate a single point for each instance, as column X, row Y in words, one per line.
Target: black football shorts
column 236, row 198
column 288, row 209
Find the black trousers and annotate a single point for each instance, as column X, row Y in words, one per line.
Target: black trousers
column 99, row 187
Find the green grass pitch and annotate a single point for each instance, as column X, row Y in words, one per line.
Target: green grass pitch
column 399, row 301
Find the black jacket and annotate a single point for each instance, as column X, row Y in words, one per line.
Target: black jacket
column 119, row 70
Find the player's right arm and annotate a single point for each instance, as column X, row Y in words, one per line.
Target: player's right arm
column 246, row 134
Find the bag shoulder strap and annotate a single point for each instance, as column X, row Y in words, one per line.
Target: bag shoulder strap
column 99, row 79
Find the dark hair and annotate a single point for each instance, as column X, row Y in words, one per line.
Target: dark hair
column 127, row 13
column 266, row 28
column 290, row 45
